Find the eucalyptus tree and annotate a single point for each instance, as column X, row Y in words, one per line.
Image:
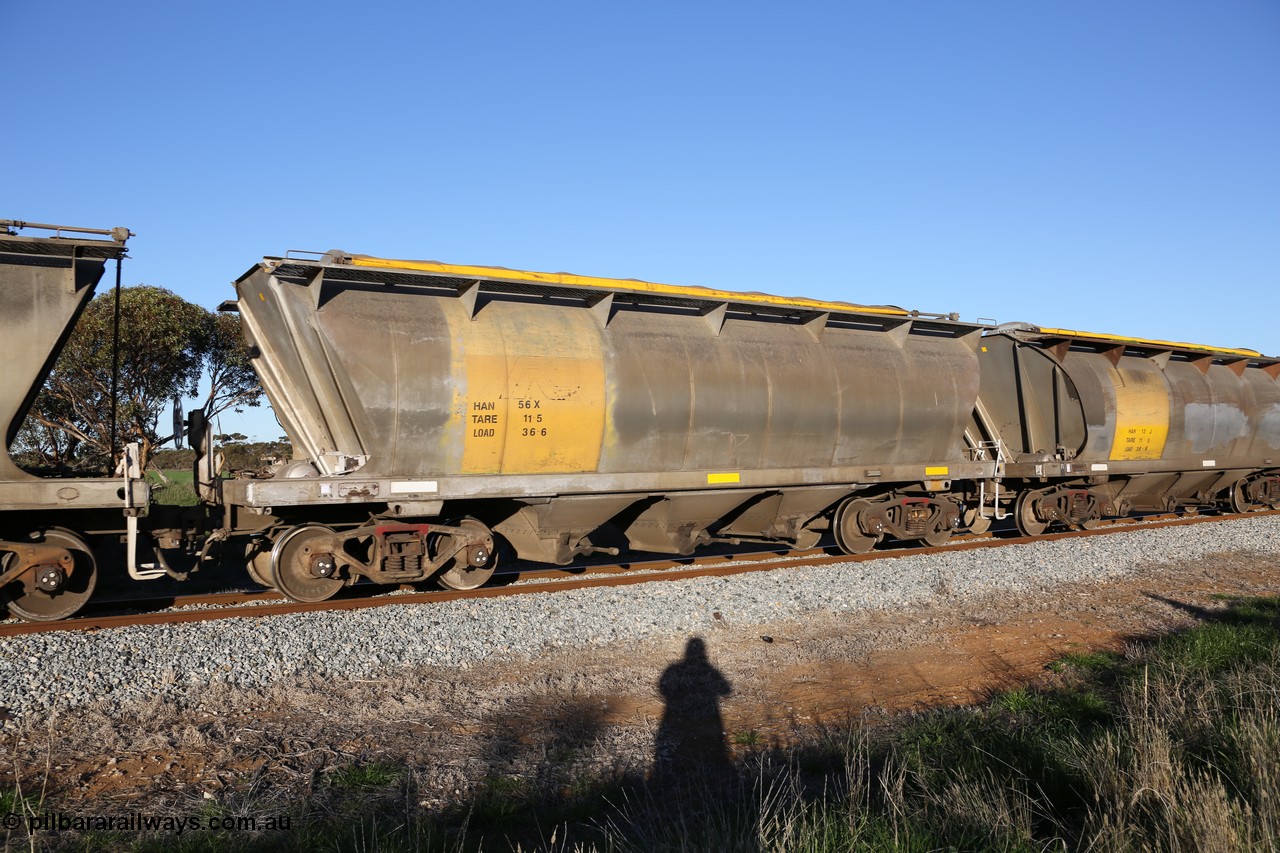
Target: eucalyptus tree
column 165, row 347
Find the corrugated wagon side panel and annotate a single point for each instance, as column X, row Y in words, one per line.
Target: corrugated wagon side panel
column 418, row 381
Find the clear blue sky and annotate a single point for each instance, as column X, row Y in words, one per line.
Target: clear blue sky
column 1094, row 165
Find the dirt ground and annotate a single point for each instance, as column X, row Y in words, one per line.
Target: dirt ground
column 598, row 710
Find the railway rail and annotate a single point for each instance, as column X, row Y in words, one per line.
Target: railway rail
column 212, row 607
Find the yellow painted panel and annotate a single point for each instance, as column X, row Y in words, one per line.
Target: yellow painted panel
column 532, row 398
column 937, row 471
column 723, row 478
column 556, row 406
column 1142, row 414
column 485, row 412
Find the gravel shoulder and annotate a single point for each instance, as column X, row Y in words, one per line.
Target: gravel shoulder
column 568, row 682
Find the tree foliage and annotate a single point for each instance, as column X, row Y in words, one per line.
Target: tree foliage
column 232, row 382
column 239, row 453
column 166, row 346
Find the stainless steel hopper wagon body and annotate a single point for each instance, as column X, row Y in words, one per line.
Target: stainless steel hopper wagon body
column 542, row 407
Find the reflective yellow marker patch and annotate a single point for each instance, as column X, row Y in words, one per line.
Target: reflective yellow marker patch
column 714, row 479
column 937, row 471
column 1142, row 414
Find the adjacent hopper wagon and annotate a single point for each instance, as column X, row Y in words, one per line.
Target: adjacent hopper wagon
column 1099, row 425
column 48, row 568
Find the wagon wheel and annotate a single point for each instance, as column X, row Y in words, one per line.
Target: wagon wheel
column 52, row 593
column 937, row 537
column 976, row 524
column 471, row 567
column 303, row 566
column 258, row 563
column 1024, row 515
column 849, row 535
column 1240, row 499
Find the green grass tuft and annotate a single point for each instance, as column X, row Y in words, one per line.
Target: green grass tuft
column 1088, row 661
column 379, row 774
column 177, row 491
column 1217, row 646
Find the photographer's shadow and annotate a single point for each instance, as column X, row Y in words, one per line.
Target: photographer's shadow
column 691, row 746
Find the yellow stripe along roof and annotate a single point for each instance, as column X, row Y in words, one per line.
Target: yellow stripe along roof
column 635, row 285
column 628, row 284
column 1148, row 342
